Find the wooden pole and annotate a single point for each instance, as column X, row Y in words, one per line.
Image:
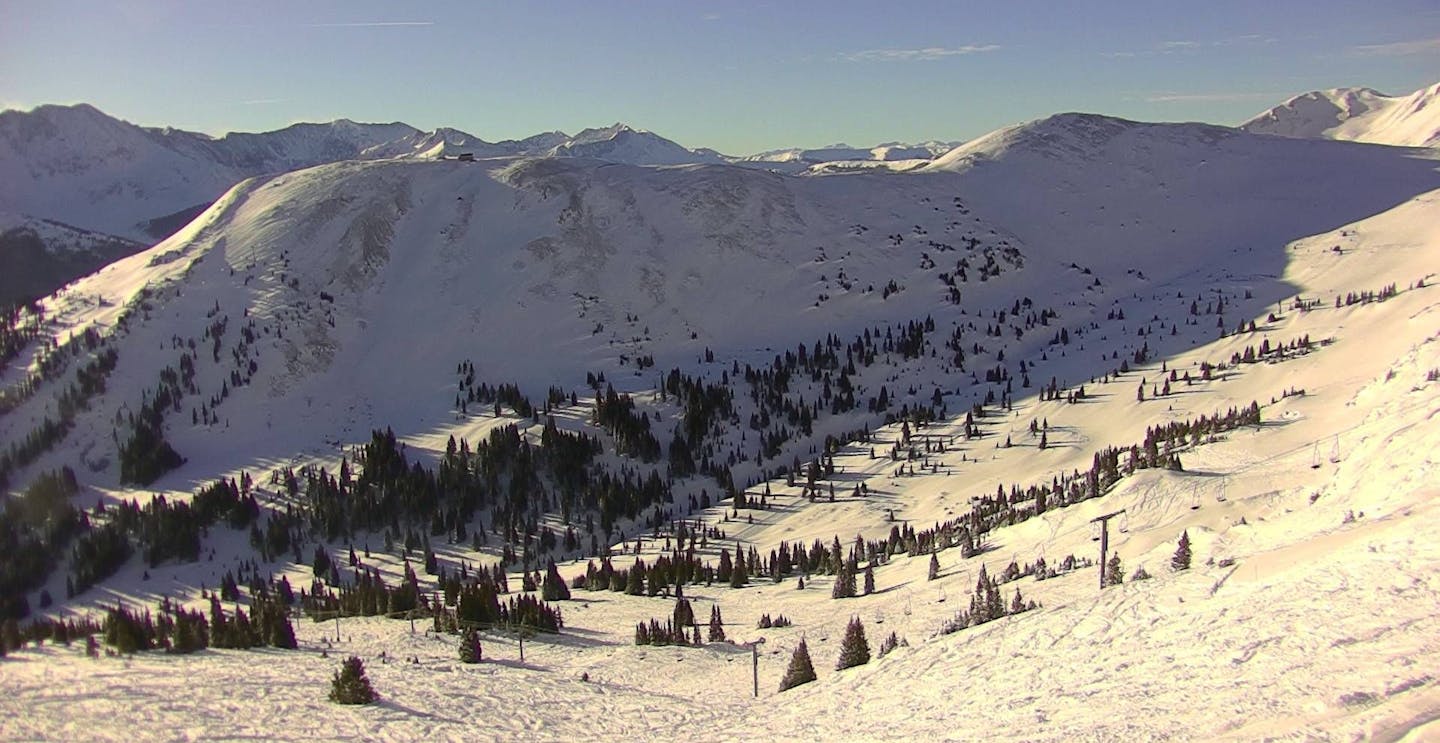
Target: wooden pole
column 755, row 667
column 1104, row 547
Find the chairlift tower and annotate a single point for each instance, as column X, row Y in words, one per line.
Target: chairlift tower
column 1104, row 522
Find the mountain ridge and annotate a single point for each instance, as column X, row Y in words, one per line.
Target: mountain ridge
column 1356, row 114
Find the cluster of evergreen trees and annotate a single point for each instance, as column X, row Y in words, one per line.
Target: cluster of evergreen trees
column 854, row 651
column 64, row 631
column 630, row 427
column 19, row 324
column 89, row 381
column 517, row 482
column 175, row 629
column 777, row 622
column 145, row 455
column 34, row 529
column 986, row 605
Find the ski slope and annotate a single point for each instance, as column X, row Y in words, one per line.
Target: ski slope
column 1308, row 613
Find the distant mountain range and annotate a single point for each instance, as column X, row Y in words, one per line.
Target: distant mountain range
column 77, row 165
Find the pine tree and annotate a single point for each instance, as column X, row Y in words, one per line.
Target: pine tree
column 1181, row 560
column 889, row 644
column 350, row 685
column 869, row 579
column 934, row 566
column 854, row 650
column 554, row 588
column 470, row 646
column 740, row 574
column 10, row 636
column 717, row 625
column 844, row 587
column 801, row 670
column 1114, row 572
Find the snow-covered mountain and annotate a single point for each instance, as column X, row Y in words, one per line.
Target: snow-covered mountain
column 620, row 143
column 620, row 262
column 843, row 156
column 941, row 345
column 438, row 144
column 1356, row 114
column 78, row 166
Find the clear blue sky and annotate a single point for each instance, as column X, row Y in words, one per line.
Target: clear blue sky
column 735, row 76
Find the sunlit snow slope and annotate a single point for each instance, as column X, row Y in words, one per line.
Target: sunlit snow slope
column 1358, row 114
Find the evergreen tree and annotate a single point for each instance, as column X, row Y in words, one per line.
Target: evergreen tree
column 470, row 646
column 869, row 579
column 801, row 670
column 10, row 636
column 1181, row 560
column 740, row 574
column 350, row 685
column 844, row 587
column 1114, row 572
column 554, row 588
column 717, row 625
column 934, row 566
column 854, row 650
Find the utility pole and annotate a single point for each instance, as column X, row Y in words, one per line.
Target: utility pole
column 1105, row 540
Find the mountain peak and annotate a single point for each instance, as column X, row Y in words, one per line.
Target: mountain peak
column 1356, row 114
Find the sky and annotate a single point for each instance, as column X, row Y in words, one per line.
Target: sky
column 735, row 76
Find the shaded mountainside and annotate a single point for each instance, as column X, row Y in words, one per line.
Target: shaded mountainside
column 40, row 256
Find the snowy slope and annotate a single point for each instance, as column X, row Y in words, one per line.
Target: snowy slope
column 1319, row 626
column 541, row 270
column 1356, row 114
